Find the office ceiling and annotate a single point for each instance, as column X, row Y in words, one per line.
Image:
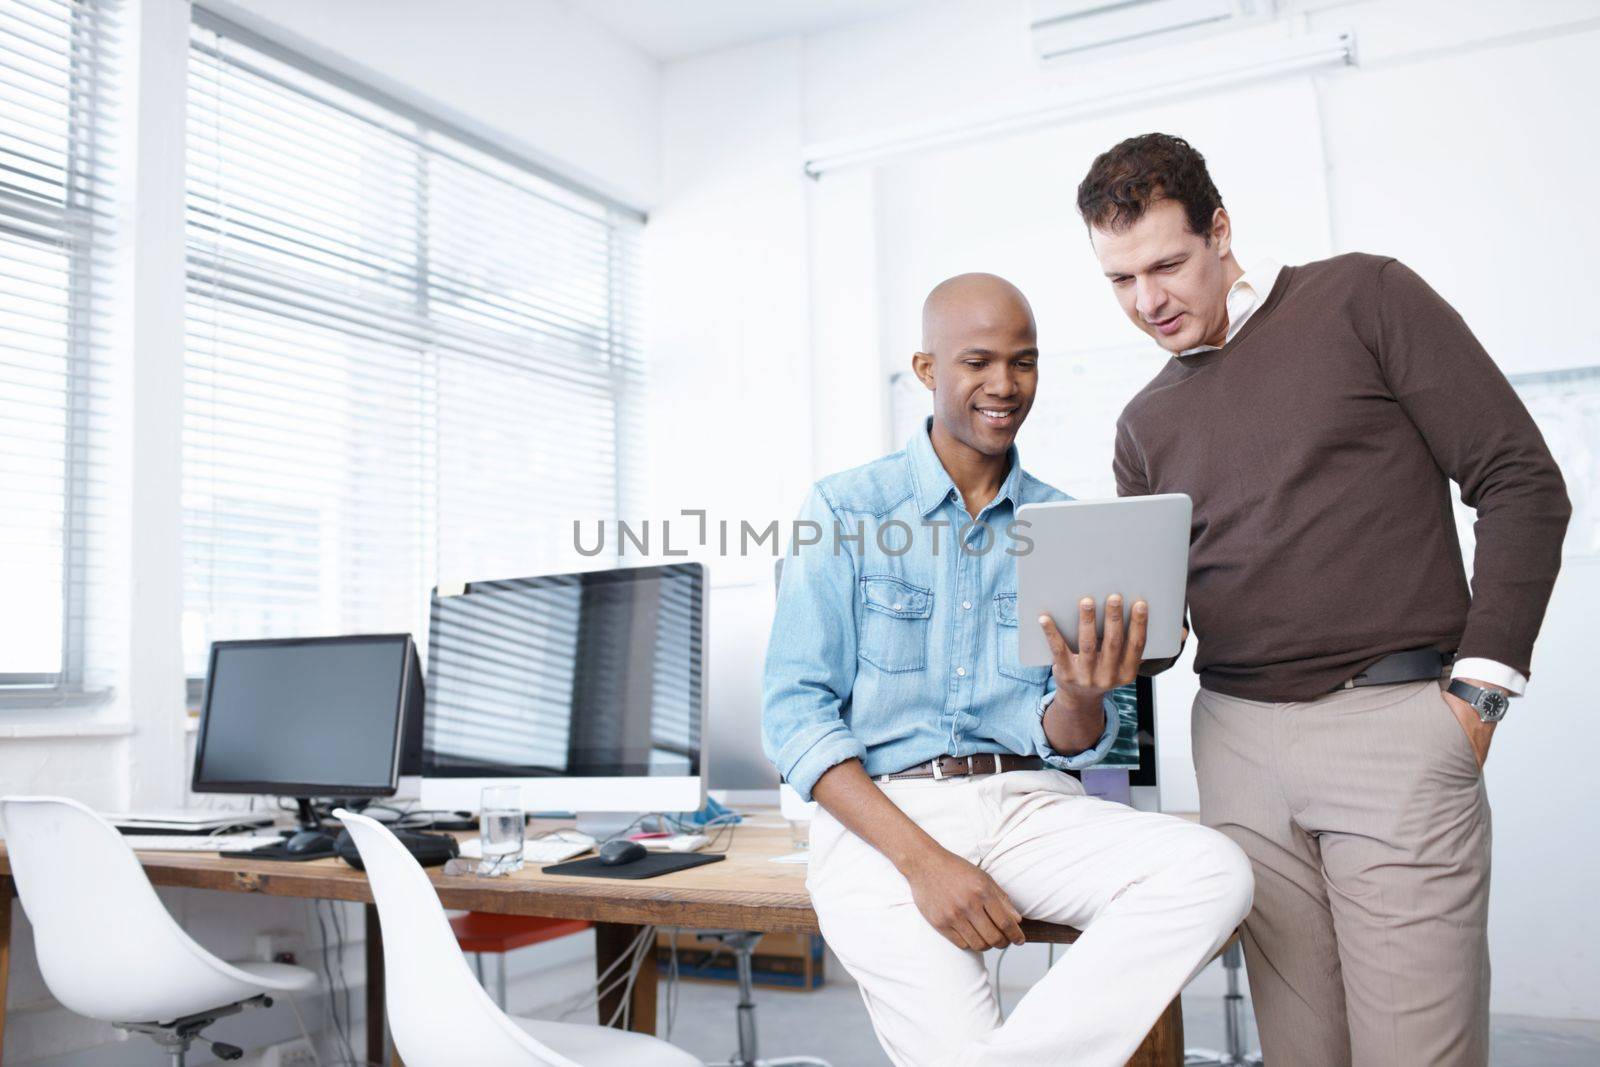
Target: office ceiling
column 676, row 29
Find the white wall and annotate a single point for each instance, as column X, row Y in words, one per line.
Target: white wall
column 1453, row 145
column 727, row 341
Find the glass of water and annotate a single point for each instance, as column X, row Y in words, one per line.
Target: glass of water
column 501, row 821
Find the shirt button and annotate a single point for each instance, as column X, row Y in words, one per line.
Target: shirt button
column 966, row 605
column 961, row 672
column 899, row 607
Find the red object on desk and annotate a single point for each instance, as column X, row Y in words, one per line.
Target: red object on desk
column 483, row 934
column 478, row 931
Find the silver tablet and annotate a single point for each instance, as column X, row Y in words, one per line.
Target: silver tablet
column 1137, row 546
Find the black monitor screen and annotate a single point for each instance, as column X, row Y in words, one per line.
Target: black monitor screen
column 313, row 717
column 596, row 674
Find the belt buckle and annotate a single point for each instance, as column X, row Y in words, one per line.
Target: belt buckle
column 937, row 763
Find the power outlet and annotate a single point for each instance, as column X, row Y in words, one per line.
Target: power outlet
column 296, row 1053
column 280, row 946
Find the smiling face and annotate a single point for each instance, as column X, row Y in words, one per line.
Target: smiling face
column 981, row 360
column 1171, row 282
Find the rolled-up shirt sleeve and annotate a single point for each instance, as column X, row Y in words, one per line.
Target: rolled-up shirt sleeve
column 1079, row 760
column 811, row 656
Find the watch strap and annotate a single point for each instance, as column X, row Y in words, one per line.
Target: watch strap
column 1490, row 704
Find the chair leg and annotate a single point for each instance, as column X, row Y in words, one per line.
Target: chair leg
column 500, row 980
column 744, row 950
column 477, row 965
column 1233, row 1021
column 743, row 946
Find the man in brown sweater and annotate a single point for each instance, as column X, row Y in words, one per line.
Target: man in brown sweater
column 1350, row 678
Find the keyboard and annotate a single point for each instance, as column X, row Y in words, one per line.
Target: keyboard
column 198, row 842
column 560, row 846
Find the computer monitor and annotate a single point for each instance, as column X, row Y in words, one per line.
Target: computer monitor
column 585, row 689
column 1135, row 748
column 308, row 717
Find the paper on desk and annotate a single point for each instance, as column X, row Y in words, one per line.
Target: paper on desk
column 792, row 857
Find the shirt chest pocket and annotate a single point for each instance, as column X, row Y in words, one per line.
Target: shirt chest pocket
column 894, row 623
column 1005, row 638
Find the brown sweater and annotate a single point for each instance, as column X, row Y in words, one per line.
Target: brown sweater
column 1318, row 446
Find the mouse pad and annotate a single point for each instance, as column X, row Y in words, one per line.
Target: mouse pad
column 653, row 864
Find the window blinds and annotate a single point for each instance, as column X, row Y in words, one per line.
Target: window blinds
column 408, row 354
column 53, row 240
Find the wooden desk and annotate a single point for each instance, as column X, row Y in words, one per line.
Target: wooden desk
column 744, row 892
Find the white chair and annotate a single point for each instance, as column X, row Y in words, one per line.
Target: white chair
column 107, row 947
column 438, row 1013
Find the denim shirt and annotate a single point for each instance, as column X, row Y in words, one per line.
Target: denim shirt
column 895, row 640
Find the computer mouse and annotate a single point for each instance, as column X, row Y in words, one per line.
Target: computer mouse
column 616, row 853
column 308, row 841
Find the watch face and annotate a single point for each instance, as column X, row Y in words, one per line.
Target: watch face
column 1492, row 706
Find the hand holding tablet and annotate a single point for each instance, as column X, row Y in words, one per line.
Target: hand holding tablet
column 1136, row 548
column 1093, row 670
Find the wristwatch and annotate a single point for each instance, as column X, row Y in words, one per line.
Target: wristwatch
column 1490, row 704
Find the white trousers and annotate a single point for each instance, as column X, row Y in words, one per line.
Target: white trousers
column 1154, row 895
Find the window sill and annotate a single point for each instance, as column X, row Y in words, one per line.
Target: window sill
column 22, row 698
column 54, row 714
column 24, row 731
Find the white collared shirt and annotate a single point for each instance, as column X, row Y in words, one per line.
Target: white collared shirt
column 1244, row 297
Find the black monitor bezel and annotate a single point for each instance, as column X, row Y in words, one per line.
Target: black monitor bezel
column 199, row 784
column 1145, row 773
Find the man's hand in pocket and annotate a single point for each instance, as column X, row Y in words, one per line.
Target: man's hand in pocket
column 1478, row 732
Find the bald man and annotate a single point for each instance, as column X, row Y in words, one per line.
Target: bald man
column 893, row 695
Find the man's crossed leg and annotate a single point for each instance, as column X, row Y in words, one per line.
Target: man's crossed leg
column 1155, row 896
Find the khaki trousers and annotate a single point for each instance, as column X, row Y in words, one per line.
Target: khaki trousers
column 1366, row 822
column 1155, row 897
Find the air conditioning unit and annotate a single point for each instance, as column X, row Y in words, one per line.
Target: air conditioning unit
column 1067, row 33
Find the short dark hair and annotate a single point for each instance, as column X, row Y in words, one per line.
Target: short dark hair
column 1122, row 183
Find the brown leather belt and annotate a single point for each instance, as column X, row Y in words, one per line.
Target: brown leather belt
column 967, row 766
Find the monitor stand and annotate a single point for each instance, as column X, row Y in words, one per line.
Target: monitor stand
column 602, row 825
column 305, row 815
column 306, row 822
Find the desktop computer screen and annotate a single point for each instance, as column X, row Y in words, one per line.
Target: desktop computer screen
column 1134, row 749
column 307, row 717
column 587, row 688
